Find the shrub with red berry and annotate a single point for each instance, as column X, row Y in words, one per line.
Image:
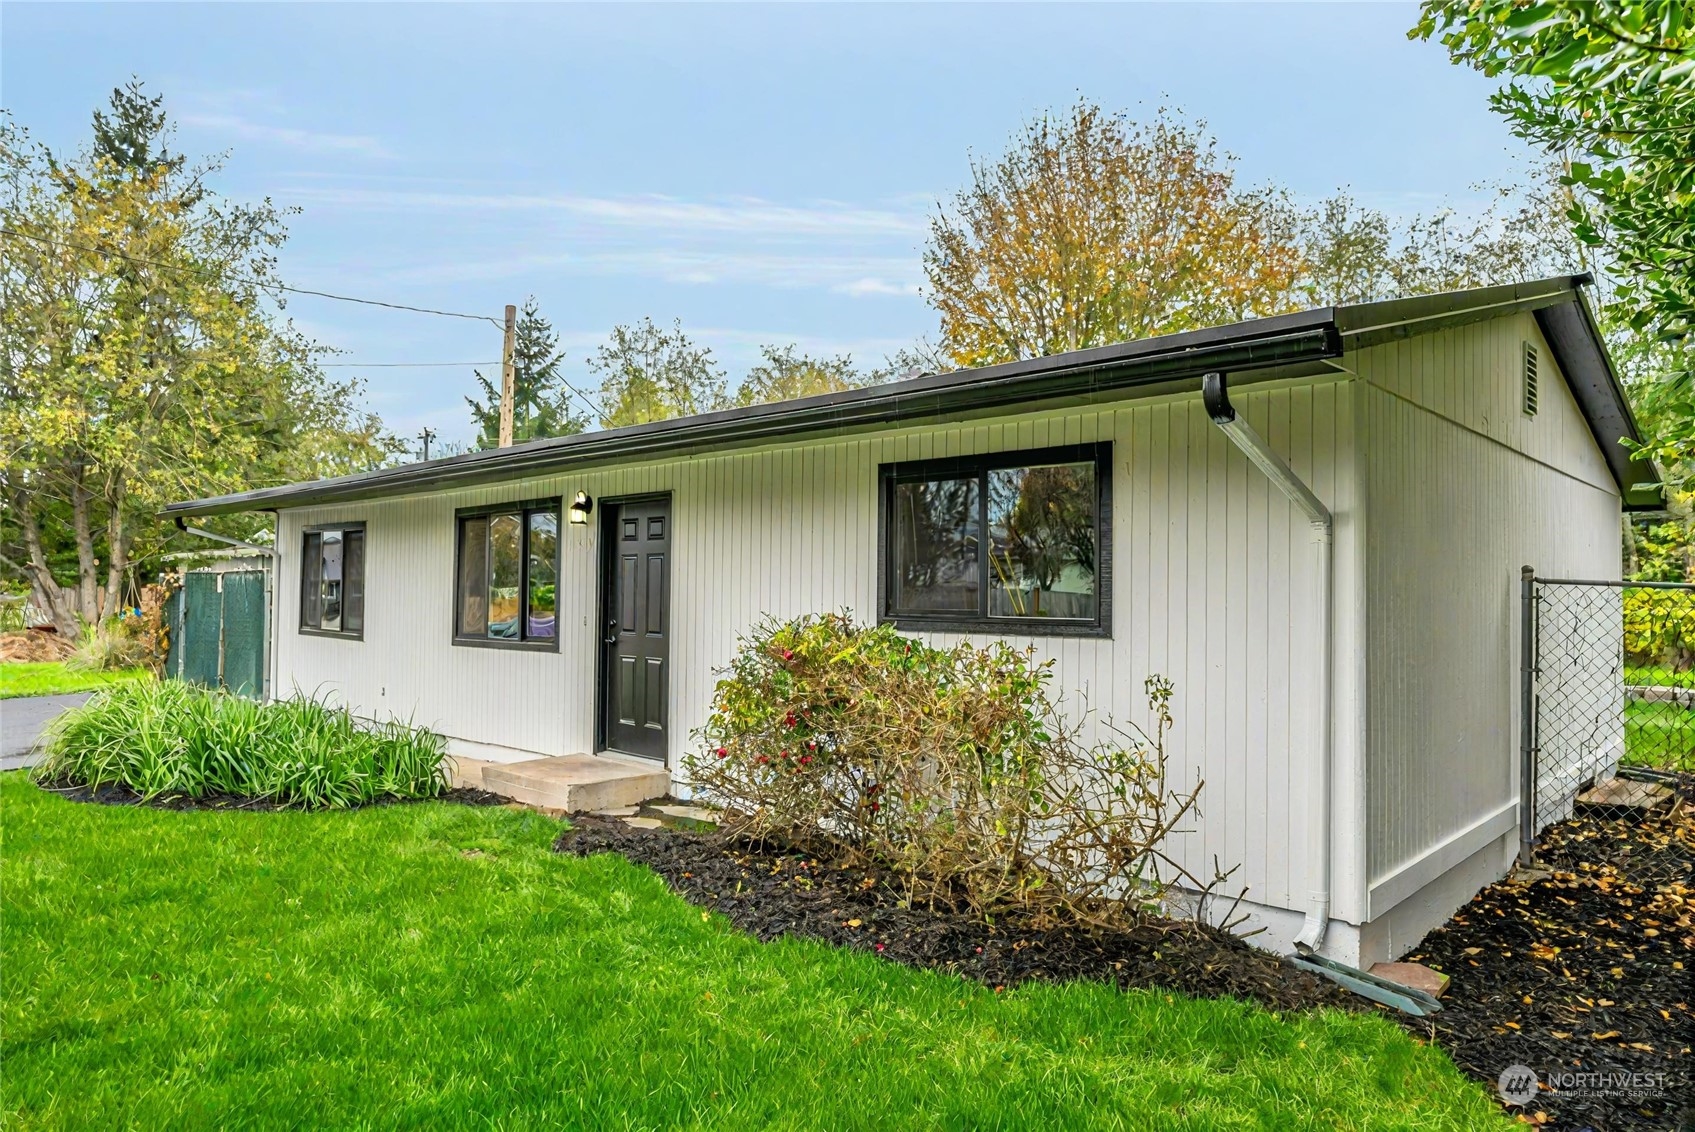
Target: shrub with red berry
column 952, row 767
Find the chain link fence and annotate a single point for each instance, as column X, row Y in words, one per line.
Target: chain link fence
column 1609, row 684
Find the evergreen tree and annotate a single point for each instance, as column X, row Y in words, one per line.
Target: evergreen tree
column 541, row 398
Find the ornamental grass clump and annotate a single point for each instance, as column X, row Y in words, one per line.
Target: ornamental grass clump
column 174, row 739
column 953, row 768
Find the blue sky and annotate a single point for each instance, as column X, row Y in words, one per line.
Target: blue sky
column 761, row 173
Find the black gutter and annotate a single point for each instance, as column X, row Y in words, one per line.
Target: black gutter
column 1292, row 341
column 1303, row 338
column 1581, row 353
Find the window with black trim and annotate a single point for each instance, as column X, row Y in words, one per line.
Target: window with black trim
column 506, row 581
column 332, row 580
column 1011, row 541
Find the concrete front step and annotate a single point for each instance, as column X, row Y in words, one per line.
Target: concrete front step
column 575, row 783
column 464, row 772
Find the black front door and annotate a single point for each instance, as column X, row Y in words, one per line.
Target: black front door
column 636, row 666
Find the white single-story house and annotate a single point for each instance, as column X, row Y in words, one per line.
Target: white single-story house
column 1321, row 548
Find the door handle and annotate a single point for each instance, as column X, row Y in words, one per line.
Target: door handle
column 611, row 625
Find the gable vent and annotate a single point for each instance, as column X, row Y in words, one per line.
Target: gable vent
column 1530, row 386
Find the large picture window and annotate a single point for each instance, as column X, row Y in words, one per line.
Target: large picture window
column 1010, row 541
column 507, row 581
column 332, row 580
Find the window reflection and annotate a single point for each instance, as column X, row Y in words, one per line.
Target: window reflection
column 543, row 575
column 508, row 579
column 993, row 539
column 1042, row 541
column 935, row 543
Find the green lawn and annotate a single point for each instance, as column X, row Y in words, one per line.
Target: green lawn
column 49, row 679
column 1659, row 735
column 435, row 965
column 1660, row 675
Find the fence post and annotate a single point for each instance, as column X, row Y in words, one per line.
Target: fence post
column 1527, row 718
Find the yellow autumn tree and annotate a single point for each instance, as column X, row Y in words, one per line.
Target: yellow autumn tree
column 1094, row 229
column 142, row 360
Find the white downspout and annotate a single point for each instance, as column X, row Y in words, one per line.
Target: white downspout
column 1216, row 395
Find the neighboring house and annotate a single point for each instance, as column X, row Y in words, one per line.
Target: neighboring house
column 1356, row 726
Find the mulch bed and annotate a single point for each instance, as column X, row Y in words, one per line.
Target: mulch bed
column 1584, row 971
column 769, row 892
column 124, row 796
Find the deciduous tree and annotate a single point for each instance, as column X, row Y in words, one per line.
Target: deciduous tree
column 1093, row 229
column 648, row 373
column 1607, row 86
column 784, row 374
column 140, row 360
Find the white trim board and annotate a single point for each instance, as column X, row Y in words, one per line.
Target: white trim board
column 1408, row 877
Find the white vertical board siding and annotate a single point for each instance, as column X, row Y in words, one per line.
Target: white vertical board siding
column 1212, row 586
column 1462, row 489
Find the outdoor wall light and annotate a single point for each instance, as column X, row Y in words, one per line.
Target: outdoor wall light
column 580, row 508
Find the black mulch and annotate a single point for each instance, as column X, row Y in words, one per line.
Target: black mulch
column 124, row 796
column 769, row 892
column 1585, row 971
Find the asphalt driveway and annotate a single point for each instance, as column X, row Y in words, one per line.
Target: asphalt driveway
column 22, row 721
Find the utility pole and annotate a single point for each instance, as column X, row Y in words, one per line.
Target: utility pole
column 507, row 377
column 426, row 436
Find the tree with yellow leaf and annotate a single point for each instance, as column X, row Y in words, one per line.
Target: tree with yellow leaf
column 1094, row 229
column 784, row 373
column 140, row 360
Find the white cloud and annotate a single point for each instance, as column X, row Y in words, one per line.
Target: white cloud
column 736, row 347
column 312, row 141
column 739, row 215
column 870, row 285
column 853, row 275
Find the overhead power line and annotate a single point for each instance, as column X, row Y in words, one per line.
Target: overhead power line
column 250, row 282
column 401, row 365
column 587, row 402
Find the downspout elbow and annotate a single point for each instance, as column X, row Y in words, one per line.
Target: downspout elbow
column 239, row 544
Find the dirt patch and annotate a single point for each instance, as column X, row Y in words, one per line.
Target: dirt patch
column 34, row 646
column 1585, row 971
column 769, row 893
column 124, row 796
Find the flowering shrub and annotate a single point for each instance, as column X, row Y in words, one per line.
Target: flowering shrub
column 951, row 767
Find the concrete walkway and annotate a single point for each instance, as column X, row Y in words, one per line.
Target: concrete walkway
column 22, row 721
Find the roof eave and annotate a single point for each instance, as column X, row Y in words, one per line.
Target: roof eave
column 1279, row 342
column 1580, row 351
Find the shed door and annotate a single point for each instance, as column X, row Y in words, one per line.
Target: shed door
column 244, row 633
column 637, row 615
column 202, row 620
